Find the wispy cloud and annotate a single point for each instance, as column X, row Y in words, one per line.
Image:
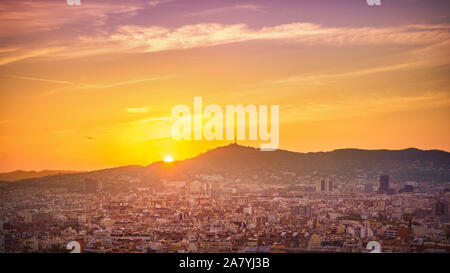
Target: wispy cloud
column 37, row 16
column 149, row 39
column 139, row 39
column 154, row 3
column 43, row 80
column 137, row 109
column 133, row 81
column 152, row 119
column 71, row 86
column 48, row 15
column 220, row 10
column 361, row 106
column 18, row 54
column 369, row 71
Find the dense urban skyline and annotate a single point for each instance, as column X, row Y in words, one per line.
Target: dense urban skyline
column 237, row 199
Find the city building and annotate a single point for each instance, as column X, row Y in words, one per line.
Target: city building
column 384, row 184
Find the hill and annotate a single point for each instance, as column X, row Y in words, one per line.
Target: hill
column 402, row 165
column 240, row 162
column 20, row 175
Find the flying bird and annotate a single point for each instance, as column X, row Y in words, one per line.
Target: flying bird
column 90, row 138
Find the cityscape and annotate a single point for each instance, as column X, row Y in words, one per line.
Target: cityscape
column 223, row 132
column 113, row 211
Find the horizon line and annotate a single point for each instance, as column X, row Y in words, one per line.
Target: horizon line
column 218, row 146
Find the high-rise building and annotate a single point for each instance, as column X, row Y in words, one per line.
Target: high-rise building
column 2, row 244
column 439, row 209
column 28, row 217
column 384, row 184
column 324, row 185
column 320, row 185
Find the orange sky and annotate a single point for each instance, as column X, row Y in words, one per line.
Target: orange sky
column 94, row 87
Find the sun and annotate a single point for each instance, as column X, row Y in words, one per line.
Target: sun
column 168, row 159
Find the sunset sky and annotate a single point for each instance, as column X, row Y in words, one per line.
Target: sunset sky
column 92, row 86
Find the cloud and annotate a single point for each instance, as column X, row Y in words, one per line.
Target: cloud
column 37, row 16
column 137, row 109
column 71, row 86
column 150, row 39
column 140, row 39
column 42, row 80
column 152, row 119
column 363, row 105
column 129, row 82
column 154, row 3
column 220, row 10
column 18, row 54
column 317, row 78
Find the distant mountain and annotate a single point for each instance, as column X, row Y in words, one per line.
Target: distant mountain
column 240, row 162
column 235, row 160
column 20, row 175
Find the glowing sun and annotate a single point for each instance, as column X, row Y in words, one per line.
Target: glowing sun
column 168, row 159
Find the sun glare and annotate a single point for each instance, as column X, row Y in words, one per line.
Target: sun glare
column 168, row 159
